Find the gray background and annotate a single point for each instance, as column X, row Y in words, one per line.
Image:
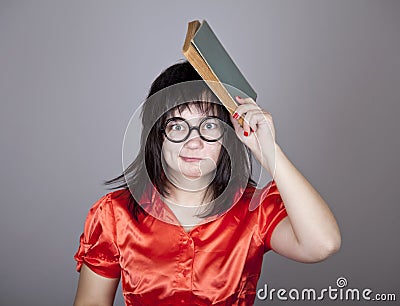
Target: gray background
column 73, row 72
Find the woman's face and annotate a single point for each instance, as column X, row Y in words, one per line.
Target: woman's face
column 190, row 164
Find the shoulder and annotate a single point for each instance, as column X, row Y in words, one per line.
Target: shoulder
column 114, row 198
column 105, row 213
column 109, row 203
column 265, row 196
column 264, row 209
column 261, row 205
column 119, row 197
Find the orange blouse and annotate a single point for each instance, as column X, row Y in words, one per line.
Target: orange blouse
column 216, row 263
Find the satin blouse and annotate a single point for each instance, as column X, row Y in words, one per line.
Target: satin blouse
column 216, row 263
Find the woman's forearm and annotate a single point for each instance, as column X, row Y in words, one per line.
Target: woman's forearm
column 312, row 221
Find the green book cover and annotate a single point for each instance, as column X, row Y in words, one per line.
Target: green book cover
column 218, row 59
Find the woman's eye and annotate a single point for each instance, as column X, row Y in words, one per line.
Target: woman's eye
column 177, row 127
column 210, row 126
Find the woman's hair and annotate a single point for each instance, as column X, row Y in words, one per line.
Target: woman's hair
column 163, row 100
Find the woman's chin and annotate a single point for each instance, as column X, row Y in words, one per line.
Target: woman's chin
column 193, row 175
column 196, row 179
column 197, row 173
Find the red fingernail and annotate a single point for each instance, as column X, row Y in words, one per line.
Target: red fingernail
column 246, row 134
column 235, row 115
column 237, row 97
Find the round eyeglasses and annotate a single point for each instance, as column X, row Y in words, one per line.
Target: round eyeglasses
column 210, row 129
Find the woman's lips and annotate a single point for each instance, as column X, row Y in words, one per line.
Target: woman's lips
column 190, row 159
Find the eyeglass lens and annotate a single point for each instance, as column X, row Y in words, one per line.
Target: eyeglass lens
column 178, row 129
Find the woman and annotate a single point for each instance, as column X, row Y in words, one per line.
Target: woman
column 189, row 226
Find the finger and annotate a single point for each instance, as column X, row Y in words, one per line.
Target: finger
column 246, row 127
column 258, row 117
column 237, row 127
column 245, row 100
column 244, row 108
column 252, row 118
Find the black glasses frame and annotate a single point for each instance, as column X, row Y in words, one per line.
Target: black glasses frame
column 191, row 128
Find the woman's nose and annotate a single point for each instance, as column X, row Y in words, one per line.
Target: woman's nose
column 194, row 140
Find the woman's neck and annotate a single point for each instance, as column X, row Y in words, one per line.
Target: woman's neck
column 192, row 198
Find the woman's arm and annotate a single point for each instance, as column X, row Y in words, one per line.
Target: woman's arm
column 95, row 290
column 309, row 233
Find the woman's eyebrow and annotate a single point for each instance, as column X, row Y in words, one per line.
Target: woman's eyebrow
column 202, row 116
column 197, row 119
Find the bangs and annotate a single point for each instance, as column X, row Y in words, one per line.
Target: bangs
column 194, row 93
column 191, row 95
column 205, row 108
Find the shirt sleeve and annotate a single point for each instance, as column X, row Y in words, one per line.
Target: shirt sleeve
column 97, row 247
column 271, row 211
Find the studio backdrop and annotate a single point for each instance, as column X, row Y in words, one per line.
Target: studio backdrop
column 72, row 73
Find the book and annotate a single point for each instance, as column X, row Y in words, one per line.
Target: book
column 207, row 55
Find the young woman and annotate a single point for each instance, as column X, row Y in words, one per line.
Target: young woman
column 187, row 224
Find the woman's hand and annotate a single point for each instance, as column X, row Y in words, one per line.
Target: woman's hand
column 257, row 133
